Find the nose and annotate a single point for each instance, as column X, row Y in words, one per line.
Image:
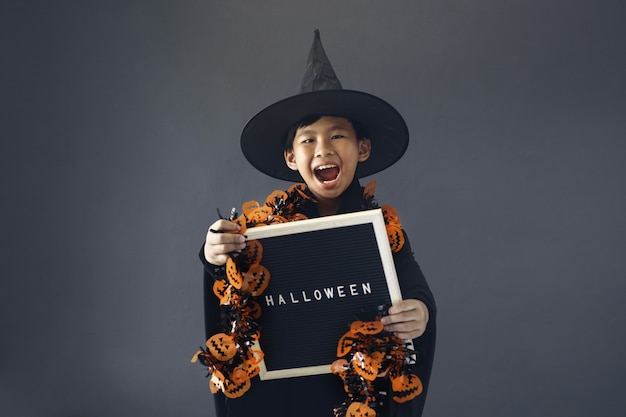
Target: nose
column 324, row 148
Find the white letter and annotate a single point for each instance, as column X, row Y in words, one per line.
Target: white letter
column 269, row 300
column 366, row 288
column 353, row 289
column 340, row 292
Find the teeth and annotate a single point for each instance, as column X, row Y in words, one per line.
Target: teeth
column 325, row 167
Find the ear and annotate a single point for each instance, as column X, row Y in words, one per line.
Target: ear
column 365, row 149
column 290, row 160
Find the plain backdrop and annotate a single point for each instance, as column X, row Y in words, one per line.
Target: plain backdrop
column 120, row 126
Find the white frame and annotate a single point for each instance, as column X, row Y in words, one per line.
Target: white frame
column 374, row 217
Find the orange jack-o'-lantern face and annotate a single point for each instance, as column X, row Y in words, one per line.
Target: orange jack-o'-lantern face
column 405, row 387
column 251, row 369
column 255, row 280
column 357, row 409
column 395, row 236
column 233, row 273
column 345, row 344
column 365, row 365
column 366, row 327
column 233, row 389
column 250, row 365
column 219, row 288
column 222, row 346
column 252, row 253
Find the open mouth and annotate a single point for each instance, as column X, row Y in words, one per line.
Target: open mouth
column 327, row 173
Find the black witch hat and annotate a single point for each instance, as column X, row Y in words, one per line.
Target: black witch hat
column 264, row 137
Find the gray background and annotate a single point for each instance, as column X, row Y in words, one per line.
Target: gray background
column 120, row 124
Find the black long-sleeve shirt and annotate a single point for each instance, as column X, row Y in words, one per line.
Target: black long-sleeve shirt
column 316, row 396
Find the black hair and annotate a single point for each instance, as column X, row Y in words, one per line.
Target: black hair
column 359, row 129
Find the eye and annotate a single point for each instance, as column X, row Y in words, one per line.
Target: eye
column 337, row 136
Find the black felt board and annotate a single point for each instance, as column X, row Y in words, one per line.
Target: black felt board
column 319, row 280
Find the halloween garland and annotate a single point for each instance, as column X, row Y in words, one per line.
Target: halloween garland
column 366, row 352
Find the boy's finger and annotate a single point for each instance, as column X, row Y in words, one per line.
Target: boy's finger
column 224, row 226
column 402, row 306
column 226, row 242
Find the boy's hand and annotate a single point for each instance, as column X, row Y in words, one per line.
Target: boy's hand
column 407, row 319
column 221, row 240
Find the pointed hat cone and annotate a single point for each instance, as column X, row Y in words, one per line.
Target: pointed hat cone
column 319, row 74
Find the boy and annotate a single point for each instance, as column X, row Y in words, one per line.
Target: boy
column 327, row 138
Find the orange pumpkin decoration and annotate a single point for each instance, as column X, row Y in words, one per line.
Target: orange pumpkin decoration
column 365, row 365
column 241, row 221
column 366, row 327
column 339, row 367
column 395, row 236
column 228, row 297
column 390, row 214
column 250, row 365
column 276, row 198
column 369, row 190
column 345, row 344
column 256, row 355
column 405, row 387
column 357, row 409
column 252, row 253
column 239, row 375
column 248, row 206
column 219, row 288
column 216, row 383
column 222, row 346
column 255, row 280
column 258, row 215
column 298, row 189
column 249, row 369
column 233, row 273
column 234, row 389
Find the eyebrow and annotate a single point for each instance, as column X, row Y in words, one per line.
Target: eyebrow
column 313, row 131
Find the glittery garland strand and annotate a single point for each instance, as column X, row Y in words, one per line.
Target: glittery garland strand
column 231, row 361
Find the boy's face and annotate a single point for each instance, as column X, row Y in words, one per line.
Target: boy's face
column 326, row 154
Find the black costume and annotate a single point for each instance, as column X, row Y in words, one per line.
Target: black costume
column 316, row 396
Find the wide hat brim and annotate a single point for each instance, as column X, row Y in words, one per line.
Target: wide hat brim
column 264, row 136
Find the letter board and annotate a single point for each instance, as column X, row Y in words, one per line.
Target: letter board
column 322, row 273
